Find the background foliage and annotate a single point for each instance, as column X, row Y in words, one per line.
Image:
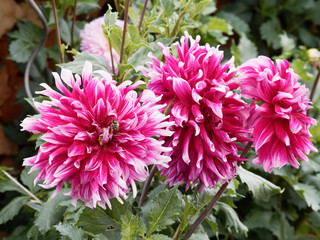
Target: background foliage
column 256, row 205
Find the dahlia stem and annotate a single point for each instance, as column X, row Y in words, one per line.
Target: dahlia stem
column 176, row 26
column 214, row 200
column 142, row 15
column 124, row 29
column 22, row 187
column 112, row 63
column 57, row 28
column 146, row 186
column 314, row 87
column 73, row 21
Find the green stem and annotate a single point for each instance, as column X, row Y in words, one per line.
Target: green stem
column 176, row 26
column 214, row 200
column 112, row 62
column 22, row 187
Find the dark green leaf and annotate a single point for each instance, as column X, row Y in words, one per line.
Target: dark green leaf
column 261, row 188
column 236, row 22
column 164, row 209
column 158, row 237
column 49, row 215
column 287, row 45
column 247, row 49
column 232, row 219
column 65, row 31
column 270, row 31
column 132, row 226
column 12, row 209
column 72, row 232
column 97, row 221
column 28, row 179
column 310, row 194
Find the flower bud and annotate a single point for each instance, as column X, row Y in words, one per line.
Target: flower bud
column 313, row 55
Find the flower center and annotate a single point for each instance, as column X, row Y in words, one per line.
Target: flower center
column 107, row 133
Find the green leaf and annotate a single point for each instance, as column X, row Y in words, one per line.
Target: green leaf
column 134, row 17
column 261, row 188
column 86, row 6
column 300, row 67
column 217, row 24
column 132, row 226
column 158, row 237
column 287, row 45
column 65, row 31
column 134, row 34
column 310, row 194
column 197, row 236
column 28, row 179
column 97, row 221
column 110, row 19
column 232, row 219
column 12, row 209
column 196, row 8
column 49, row 215
column 76, row 66
column 247, row 49
column 20, row 51
column 270, row 31
column 236, row 22
column 70, row 231
column 7, row 185
column 164, row 209
column 116, row 39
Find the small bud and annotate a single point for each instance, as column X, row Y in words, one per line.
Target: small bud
column 314, row 55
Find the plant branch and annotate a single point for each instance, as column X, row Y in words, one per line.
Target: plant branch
column 124, row 29
column 314, row 87
column 176, row 26
column 214, row 200
column 142, row 15
column 22, row 187
column 112, row 63
column 73, row 21
column 57, row 28
column 146, row 186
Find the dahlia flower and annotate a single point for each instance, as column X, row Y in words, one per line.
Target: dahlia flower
column 209, row 118
column 99, row 136
column 280, row 132
column 94, row 41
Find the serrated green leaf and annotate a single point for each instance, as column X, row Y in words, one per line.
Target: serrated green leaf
column 232, row 219
column 195, row 8
column 134, row 34
column 132, row 226
column 300, row 67
column 261, row 188
column 217, row 24
column 8, row 185
column 158, row 237
column 247, row 49
column 236, row 22
column 287, row 45
column 28, row 179
column 110, row 19
column 49, row 215
column 97, row 221
column 20, row 51
column 270, row 31
column 310, row 194
column 163, row 209
column 12, row 208
column 70, row 231
column 76, row 66
column 197, row 236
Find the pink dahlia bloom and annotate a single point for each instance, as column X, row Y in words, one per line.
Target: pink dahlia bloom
column 209, row 118
column 98, row 136
column 94, row 41
column 281, row 131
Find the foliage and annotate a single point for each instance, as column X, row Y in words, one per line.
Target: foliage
column 282, row 205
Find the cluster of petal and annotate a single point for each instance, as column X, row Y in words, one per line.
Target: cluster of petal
column 281, row 129
column 94, row 41
column 209, row 118
column 99, row 136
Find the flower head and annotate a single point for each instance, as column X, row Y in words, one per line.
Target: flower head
column 94, row 41
column 98, row 136
column 280, row 132
column 209, row 118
